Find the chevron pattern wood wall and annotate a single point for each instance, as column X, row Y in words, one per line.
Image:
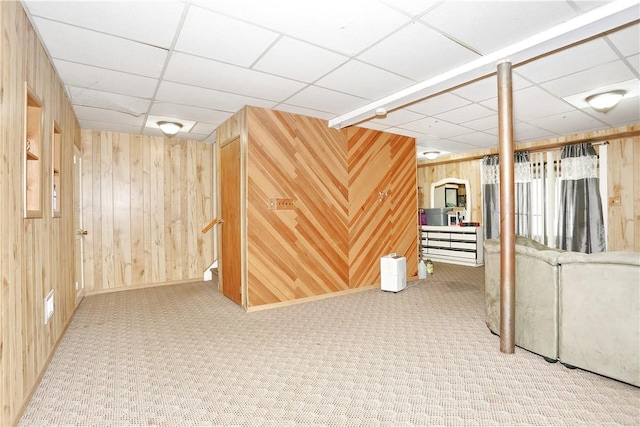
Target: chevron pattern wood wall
column 301, row 252
column 383, row 202
column 333, row 238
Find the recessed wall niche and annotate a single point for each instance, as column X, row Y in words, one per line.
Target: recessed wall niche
column 33, row 156
column 55, row 171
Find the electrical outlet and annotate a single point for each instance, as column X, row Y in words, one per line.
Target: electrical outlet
column 276, row 204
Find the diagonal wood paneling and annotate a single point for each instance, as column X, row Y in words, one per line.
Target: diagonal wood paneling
column 381, row 162
column 333, row 238
column 302, row 252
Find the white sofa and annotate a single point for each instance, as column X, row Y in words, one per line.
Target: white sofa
column 536, row 295
column 581, row 309
column 600, row 313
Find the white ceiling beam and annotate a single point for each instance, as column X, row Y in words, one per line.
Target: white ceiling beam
column 592, row 23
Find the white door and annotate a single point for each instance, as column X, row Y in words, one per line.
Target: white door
column 78, row 223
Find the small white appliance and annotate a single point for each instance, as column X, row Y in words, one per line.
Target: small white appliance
column 393, row 273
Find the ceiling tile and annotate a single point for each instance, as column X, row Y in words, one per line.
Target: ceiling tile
column 107, row 116
column 330, row 101
column 533, row 103
column 411, row 7
column 438, row 104
column 634, row 60
column 417, row 52
column 218, row 37
column 477, row 139
column 526, row 132
column 100, row 50
column 590, row 79
column 487, row 88
column 298, row 60
column 398, row 117
column 108, row 101
column 627, row 40
column 435, row 127
column 346, row 27
column 101, row 79
column 490, row 25
column 109, row 127
column 363, row 80
column 483, row 124
column 568, row 61
column 178, row 93
column 467, row 113
column 141, row 21
column 568, row 123
column 185, row 112
column 211, row 74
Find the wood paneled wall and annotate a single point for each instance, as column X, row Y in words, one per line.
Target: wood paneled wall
column 623, row 169
column 332, row 240
column 380, row 224
column 145, row 202
column 36, row 254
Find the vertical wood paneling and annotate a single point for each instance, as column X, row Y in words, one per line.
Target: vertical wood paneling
column 149, row 211
column 33, row 252
column 623, row 177
column 136, row 181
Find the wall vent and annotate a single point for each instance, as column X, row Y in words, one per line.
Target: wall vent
column 48, row 307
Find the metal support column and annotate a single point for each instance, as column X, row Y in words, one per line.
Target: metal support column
column 507, row 211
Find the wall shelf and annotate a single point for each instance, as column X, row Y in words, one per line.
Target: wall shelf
column 32, row 180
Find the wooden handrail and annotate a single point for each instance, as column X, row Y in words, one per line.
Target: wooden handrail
column 209, row 226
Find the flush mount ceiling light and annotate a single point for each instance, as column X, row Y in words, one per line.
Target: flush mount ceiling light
column 169, row 128
column 605, row 101
column 431, row 155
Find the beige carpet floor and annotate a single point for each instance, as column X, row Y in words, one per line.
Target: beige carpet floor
column 184, row 355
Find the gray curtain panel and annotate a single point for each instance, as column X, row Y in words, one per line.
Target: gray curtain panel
column 581, row 223
column 491, row 195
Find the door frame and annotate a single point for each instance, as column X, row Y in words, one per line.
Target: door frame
column 78, row 225
column 244, row 294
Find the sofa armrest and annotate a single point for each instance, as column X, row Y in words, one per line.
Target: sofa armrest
column 615, row 257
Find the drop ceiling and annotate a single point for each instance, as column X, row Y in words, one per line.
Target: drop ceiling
column 127, row 64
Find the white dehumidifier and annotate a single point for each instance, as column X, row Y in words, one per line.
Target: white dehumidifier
column 393, row 273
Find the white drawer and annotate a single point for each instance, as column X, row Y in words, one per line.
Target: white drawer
column 435, row 235
column 438, row 244
column 469, row 237
column 463, row 245
column 451, row 253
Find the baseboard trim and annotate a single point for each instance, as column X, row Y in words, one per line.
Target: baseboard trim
column 309, row 299
column 25, row 403
column 141, row 286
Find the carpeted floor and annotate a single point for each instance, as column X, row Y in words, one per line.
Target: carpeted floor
column 184, row 355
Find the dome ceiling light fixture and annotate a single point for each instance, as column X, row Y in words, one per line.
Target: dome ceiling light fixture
column 431, row 155
column 605, row 101
column 169, row 128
